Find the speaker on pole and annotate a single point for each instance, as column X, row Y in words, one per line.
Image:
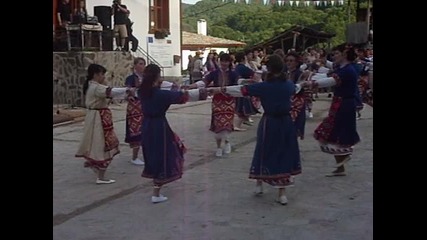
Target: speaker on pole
column 104, row 16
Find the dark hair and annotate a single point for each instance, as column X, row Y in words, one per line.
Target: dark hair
column 314, row 66
column 275, row 68
column 91, row 71
column 296, row 56
column 225, row 57
column 348, row 49
column 138, row 59
column 150, row 75
column 240, row 56
column 280, row 53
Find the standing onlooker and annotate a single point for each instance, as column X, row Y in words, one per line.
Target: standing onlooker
column 131, row 37
column 190, row 66
column 197, row 68
column 80, row 13
column 64, row 13
column 120, row 13
column 211, row 63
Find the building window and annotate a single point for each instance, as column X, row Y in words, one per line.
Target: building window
column 159, row 16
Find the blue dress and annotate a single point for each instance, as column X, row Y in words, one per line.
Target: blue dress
column 244, row 105
column 276, row 155
column 337, row 133
column 162, row 149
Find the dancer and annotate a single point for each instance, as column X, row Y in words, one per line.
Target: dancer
column 244, row 105
column 222, row 105
column 276, row 158
column 337, row 133
column 99, row 142
column 162, row 149
column 298, row 115
column 134, row 115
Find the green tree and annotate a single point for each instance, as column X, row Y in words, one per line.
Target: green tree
column 254, row 23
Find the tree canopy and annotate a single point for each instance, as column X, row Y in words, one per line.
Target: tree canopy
column 254, row 23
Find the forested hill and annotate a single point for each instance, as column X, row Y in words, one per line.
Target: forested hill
column 253, row 23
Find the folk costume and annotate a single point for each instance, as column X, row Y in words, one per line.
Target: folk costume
column 99, row 143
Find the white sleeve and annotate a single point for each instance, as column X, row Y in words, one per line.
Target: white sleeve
column 166, row 85
column 118, row 93
column 303, row 67
column 195, row 95
column 323, row 70
column 324, row 82
column 257, row 76
column 297, row 88
column 329, row 64
column 318, row 76
column 234, row 91
column 200, row 84
column 244, row 81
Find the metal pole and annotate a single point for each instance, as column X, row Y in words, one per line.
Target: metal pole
column 295, row 40
column 368, row 15
column 348, row 10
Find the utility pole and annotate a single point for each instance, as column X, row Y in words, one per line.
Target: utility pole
column 368, row 14
column 348, row 11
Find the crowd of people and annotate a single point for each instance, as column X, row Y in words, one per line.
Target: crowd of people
column 282, row 86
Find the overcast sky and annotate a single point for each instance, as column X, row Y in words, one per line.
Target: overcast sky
column 190, row 1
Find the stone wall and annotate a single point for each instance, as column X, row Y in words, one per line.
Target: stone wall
column 70, row 69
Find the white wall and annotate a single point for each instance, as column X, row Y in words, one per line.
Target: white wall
column 139, row 14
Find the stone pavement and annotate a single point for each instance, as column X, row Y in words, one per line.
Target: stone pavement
column 214, row 199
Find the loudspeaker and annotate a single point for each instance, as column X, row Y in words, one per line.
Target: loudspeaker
column 107, row 40
column 104, row 16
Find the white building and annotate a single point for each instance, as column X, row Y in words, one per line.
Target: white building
column 150, row 16
column 200, row 42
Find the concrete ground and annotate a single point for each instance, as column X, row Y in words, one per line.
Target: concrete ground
column 214, row 199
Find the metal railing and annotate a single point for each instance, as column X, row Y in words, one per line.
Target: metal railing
column 140, row 52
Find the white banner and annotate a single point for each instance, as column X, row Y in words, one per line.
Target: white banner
column 291, row 3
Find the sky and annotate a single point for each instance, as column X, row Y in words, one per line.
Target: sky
column 190, row 1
